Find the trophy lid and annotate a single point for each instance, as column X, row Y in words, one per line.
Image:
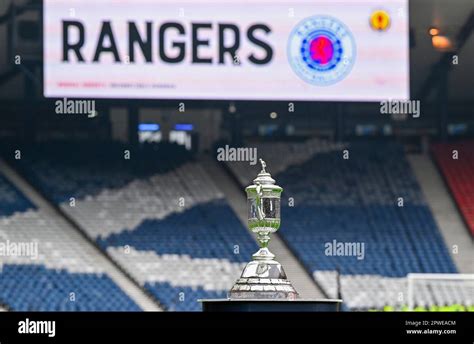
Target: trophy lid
column 264, row 178
column 263, row 182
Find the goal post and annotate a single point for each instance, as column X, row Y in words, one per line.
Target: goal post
column 428, row 290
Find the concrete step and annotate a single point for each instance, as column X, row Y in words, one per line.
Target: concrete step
column 445, row 212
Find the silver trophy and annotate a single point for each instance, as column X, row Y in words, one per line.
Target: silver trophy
column 263, row 277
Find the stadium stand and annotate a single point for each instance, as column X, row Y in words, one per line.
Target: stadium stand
column 159, row 217
column 459, row 175
column 165, row 222
column 43, row 269
column 272, row 152
column 356, row 200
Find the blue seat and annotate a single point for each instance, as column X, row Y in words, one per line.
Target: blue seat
column 36, row 288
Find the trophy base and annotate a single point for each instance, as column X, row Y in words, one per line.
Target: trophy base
column 263, row 279
column 263, row 288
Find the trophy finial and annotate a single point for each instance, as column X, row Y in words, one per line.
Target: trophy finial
column 263, row 165
column 263, row 177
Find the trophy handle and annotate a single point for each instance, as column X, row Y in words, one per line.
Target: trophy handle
column 260, row 212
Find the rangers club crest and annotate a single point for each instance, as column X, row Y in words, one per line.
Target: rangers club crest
column 321, row 50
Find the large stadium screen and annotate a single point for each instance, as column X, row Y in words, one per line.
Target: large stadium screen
column 325, row 50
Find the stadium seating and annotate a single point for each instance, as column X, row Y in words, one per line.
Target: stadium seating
column 43, row 269
column 167, row 224
column 459, row 175
column 10, row 199
column 272, row 152
column 36, row 288
column 159, row 215
column 357, row 200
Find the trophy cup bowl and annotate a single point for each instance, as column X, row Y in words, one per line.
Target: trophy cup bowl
column 263, row 277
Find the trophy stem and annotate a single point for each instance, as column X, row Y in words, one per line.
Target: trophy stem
column 263, row 238
column 263, row 254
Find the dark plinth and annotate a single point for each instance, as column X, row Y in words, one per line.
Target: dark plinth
column 299, row 305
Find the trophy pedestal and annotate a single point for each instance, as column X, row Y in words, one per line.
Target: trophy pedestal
column 258, row 305
column 263, row 278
